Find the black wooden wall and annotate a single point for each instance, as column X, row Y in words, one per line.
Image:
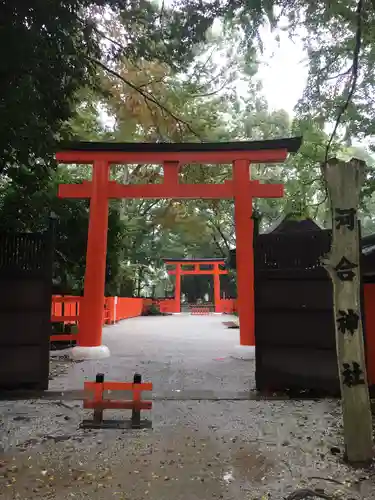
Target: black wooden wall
column 25, row 309
column 294, row 325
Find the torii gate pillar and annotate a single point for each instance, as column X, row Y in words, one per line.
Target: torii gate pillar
column 91, row 312
column 243, row 211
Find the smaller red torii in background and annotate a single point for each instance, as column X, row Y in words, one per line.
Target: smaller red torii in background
column 179, row 271
column 171, row 156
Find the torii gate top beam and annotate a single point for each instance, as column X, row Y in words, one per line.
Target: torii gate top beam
column 196, row 263
column 183, row 153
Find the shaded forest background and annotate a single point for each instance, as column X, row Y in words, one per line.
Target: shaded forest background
column 157, row 71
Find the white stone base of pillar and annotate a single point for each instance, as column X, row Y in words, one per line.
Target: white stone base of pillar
column 94, row 352
column 245, row 352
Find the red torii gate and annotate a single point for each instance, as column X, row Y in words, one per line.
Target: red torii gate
column 179, row 271
column 172, row 156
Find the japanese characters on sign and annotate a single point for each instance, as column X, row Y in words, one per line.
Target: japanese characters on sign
column 344, row 269
column 345, row 217
column 352, row 374
column 347, row 321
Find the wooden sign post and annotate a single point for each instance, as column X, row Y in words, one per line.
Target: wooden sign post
column 344, row 180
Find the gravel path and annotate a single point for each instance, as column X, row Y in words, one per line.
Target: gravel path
column 228, row 450
column 174, row 352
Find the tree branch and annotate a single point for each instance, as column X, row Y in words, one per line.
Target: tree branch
column 148, row 97
column 155, row 121
column 339, row 75
column 223, row 254
column 213, row 92
column 311, row 181
column 353, row 78
column 215, row 77
column 202, row 67
column 156, row 80
column 319, row 202
column 149, row 208
column 218, row 229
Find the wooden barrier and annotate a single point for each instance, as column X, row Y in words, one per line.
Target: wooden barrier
column 65, row 309
column 99, row 404
column 369, row 310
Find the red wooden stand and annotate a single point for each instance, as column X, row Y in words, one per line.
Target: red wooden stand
column 99, row 404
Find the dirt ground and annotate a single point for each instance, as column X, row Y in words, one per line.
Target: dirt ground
column 230, row 449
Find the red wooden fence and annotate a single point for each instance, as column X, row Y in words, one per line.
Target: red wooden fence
column 65, row 309
column 369, row 306
column 122, row 308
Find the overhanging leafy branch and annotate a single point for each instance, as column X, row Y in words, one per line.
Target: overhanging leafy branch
column 146, row 95
column 353, row 78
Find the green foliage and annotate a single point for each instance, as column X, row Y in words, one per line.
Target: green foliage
column 49, row 52
column 338, row 38
column 44, row 51
column 146, row 72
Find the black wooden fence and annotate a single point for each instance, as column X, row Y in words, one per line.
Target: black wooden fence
column 294, row 328
column 25, row 309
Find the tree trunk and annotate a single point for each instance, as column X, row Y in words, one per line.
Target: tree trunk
column 140, row 277
column 344, row 182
